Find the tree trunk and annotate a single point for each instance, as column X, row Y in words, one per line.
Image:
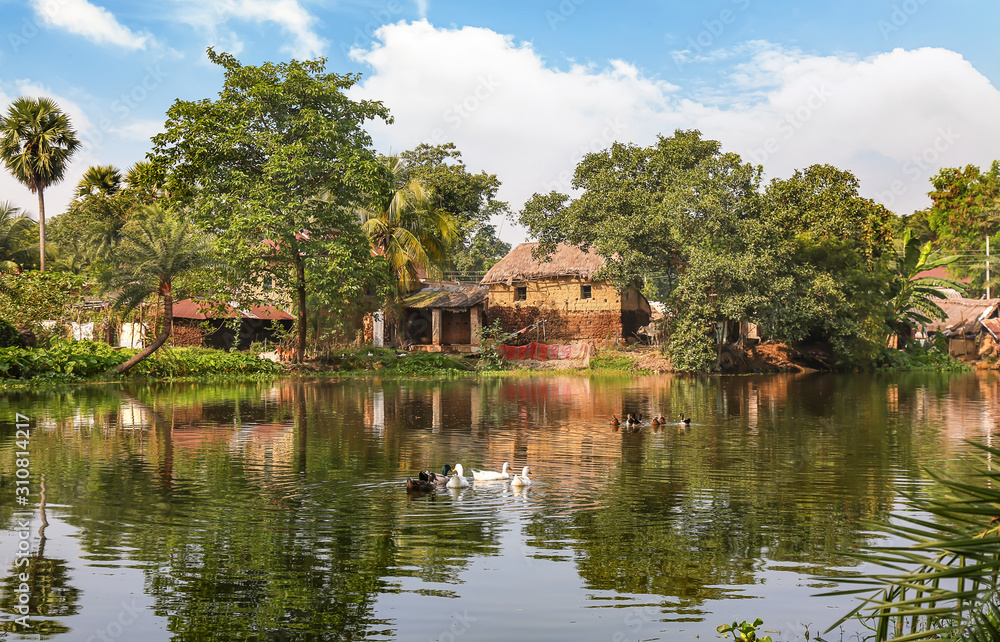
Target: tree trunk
column 300, row 289
column 168, row 326
column 41, row 230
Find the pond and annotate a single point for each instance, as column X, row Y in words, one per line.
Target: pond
column 278, row 510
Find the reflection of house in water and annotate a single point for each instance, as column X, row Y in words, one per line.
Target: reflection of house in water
column 134, row 415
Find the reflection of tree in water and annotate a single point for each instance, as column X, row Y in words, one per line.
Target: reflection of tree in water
column 235, row 550
column 50, row 594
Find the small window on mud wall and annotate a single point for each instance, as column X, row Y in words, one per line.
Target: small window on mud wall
column 521, row 293
column 585, row 292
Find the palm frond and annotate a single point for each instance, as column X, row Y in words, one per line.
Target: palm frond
column 944, row 585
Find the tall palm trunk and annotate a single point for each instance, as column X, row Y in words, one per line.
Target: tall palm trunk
column 168, row 326
column 41, row 230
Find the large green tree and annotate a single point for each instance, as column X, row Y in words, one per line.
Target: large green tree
column 965, row 210
column 801, row 258
column 275, row 167
column 36, row 143
column 469, row 198
column 157, row 247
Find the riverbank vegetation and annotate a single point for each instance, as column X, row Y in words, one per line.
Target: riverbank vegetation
column 277, row 198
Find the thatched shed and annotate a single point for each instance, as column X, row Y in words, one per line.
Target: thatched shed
column 444, row 316
column 560, row 299
column 967, row 321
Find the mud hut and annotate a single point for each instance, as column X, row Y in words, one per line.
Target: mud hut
column 558, row 300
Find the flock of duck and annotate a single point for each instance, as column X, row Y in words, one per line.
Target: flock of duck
column 428, row 481
column 634, row 423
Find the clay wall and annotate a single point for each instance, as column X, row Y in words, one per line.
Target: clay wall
column 564, row 294
column 560, row 327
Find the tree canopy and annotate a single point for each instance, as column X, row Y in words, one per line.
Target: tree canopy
column 275, row 167
column 800, row 258
column 469, row 198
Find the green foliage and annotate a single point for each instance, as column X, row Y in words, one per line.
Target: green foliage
column 73, row 360
column 18, row 248
column 29, row 298
column 275, row 168
column 685, row 213
column 64, row 360
column 916, row 357
column 9, row 336
column 612, row 363
column 745, row 631
column 943, row 586
column 388, row 361
column 911, row 298
column 404, row 227
column 491, row 336
column 36, row 143
column 174, row 363
column 469, row 198
column 965, row 207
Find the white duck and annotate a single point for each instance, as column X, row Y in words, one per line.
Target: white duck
column 459, row 480
column 491, row 475
column 522, row 479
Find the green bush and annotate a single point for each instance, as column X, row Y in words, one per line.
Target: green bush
column 917, row 357
column 9, row 336
column 68, row 360
column 63, row 360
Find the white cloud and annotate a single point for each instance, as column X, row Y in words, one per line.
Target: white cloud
column 90, row 21
column 893, row 119
column 289, row 15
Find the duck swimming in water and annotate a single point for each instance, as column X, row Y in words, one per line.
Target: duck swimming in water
column 522, row 479
column 458, row 480
column 440, row 478
column 491, row 475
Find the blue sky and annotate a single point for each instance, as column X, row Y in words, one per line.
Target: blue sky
column 891, row 90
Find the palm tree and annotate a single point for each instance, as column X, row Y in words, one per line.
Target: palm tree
column 99, row 180
column 36, row 143
column 911, row 297
column 17, row 251
column 943, row 586
column 156, row 247
column 405, row 228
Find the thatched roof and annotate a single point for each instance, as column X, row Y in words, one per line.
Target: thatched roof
column 963, row 315
column 446, row 296
column 567, row 260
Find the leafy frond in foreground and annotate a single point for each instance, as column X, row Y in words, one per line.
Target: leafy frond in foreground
column 944, row 585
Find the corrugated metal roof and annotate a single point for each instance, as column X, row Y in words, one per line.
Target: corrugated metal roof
column 446, row 296
column 993, row 326
column 200, row 309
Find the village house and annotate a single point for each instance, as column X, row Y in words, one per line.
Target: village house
column 972, row 326
column 444, row 317
column 212, row 325
column 559, row 300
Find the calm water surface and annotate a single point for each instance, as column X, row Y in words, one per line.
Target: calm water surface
column 277, row 511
